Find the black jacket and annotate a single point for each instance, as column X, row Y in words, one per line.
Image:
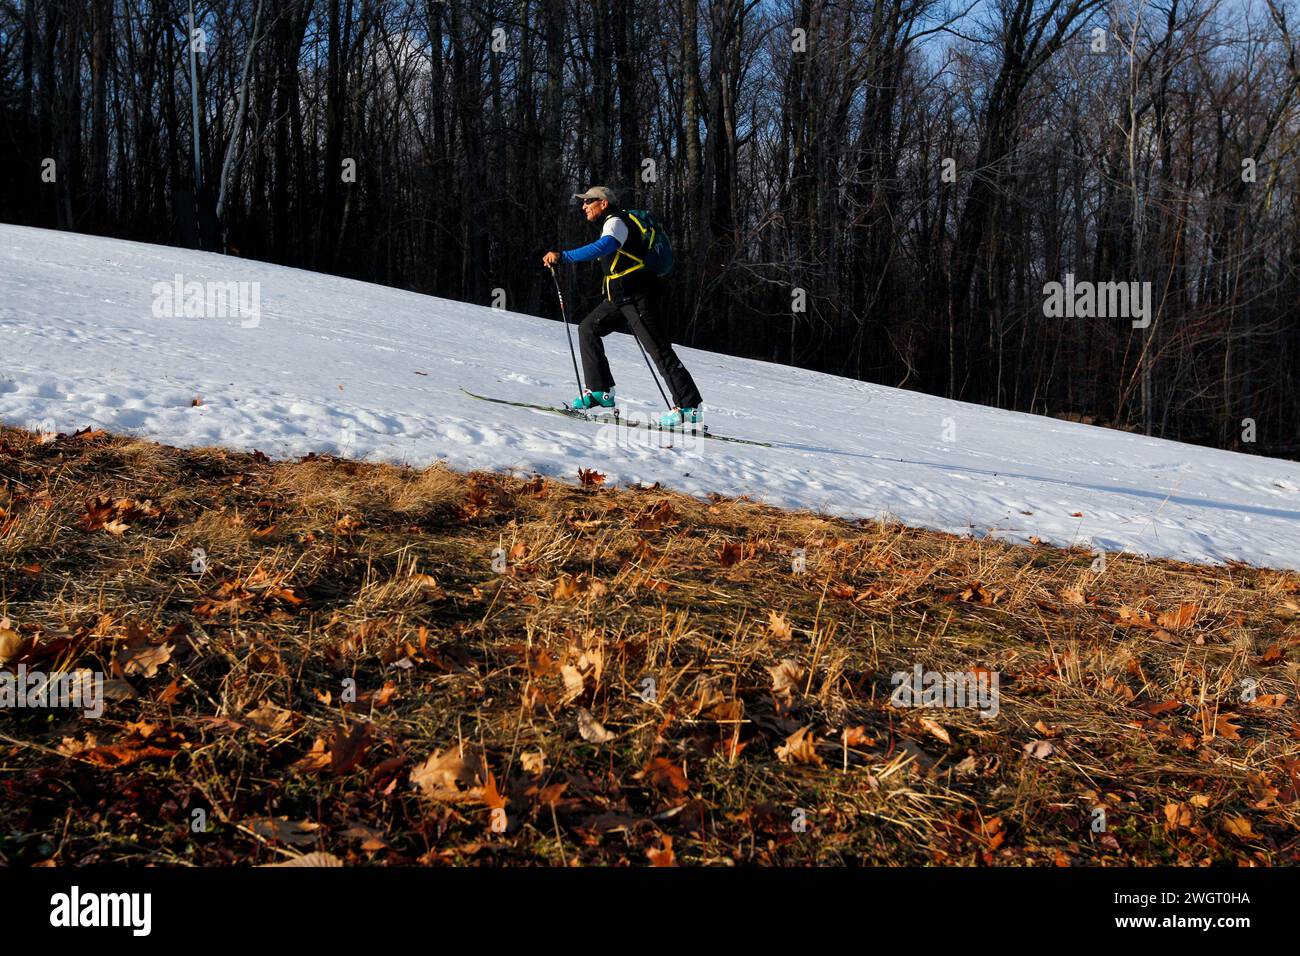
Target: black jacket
column 624, row 276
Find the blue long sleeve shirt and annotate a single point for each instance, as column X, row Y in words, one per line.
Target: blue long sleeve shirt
column 604, row 246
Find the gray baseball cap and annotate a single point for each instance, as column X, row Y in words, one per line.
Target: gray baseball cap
column 599, row 192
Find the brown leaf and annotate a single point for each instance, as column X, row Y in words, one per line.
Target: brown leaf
column 340, row 751
column 286, row 831
column 1155, row 709
column 1177, row 815
column 453, row 776
column 664, row 775
column 787, row 680
column 1273, row 655
column 1269, row 701
column 1225, row 728
column 1240, row 827
column 590, row 478
column 936, row 729
column 125, row 754
column 857, row 737
column 315, row 858
column 268, row 717
column 800, row 747
column 662, row 855
column 730, row 554
column 1180, row 618
column 533, row 761
column 1074, row 596
column 976, row 593
column 98, row 510
column 1136, row 617
column 12, row 644
column 144, row 659
column 779, row 627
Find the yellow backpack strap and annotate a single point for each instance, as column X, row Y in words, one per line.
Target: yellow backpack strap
column 640, row 225
column 614, row 271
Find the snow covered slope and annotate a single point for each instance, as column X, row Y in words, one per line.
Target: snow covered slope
column 333, row 365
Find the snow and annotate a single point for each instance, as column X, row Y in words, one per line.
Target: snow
column 345, row 367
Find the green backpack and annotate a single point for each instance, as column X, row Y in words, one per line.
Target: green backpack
column 659, row 251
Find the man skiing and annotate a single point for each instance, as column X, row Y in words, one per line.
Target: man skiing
column 632, row 295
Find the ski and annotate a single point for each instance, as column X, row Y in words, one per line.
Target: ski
column 701, row 432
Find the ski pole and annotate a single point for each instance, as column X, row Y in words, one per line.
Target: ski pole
column 652, row 371
column 564, row 315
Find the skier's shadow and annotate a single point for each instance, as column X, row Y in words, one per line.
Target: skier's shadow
column 1112, row 489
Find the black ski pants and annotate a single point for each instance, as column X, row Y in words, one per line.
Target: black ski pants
column 637, row 312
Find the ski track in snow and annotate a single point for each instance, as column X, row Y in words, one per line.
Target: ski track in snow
column 331, row 368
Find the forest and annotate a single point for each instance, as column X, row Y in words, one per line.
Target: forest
column 879, row 189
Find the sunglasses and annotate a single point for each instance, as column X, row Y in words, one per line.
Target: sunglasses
column 588, row 202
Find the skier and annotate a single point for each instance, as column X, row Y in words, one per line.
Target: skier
column 632, row 295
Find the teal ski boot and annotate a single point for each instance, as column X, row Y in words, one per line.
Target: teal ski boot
column 590, row 401
column 681, row 416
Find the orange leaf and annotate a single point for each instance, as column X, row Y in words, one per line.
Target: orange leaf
column 662, row 855
column 1179, row 618
column 779, row 626
column 1239, row 826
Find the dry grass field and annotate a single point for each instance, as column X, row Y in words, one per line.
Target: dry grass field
column 331, row 661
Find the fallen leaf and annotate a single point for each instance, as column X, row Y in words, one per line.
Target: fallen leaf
column 1180, row 618
column 662, row 855
column 268, row 717
column 857, row 737
column 315, row 858
column 12, row 644
column 787, row 680
column 664, row 775
column 1042, row 749
column 113, row 756
column 730, row 554
column 1269, row 700
column 800, row 747
column 340, row 752
column 533, row 761
column 1239, row 826
column 936, row 729
column 286, row 831
column 453, row 776
column 591, row 729
column 779, row 627
column 573, row 683
column 1177, row 815
column 1225, row 728
column 144, row 659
